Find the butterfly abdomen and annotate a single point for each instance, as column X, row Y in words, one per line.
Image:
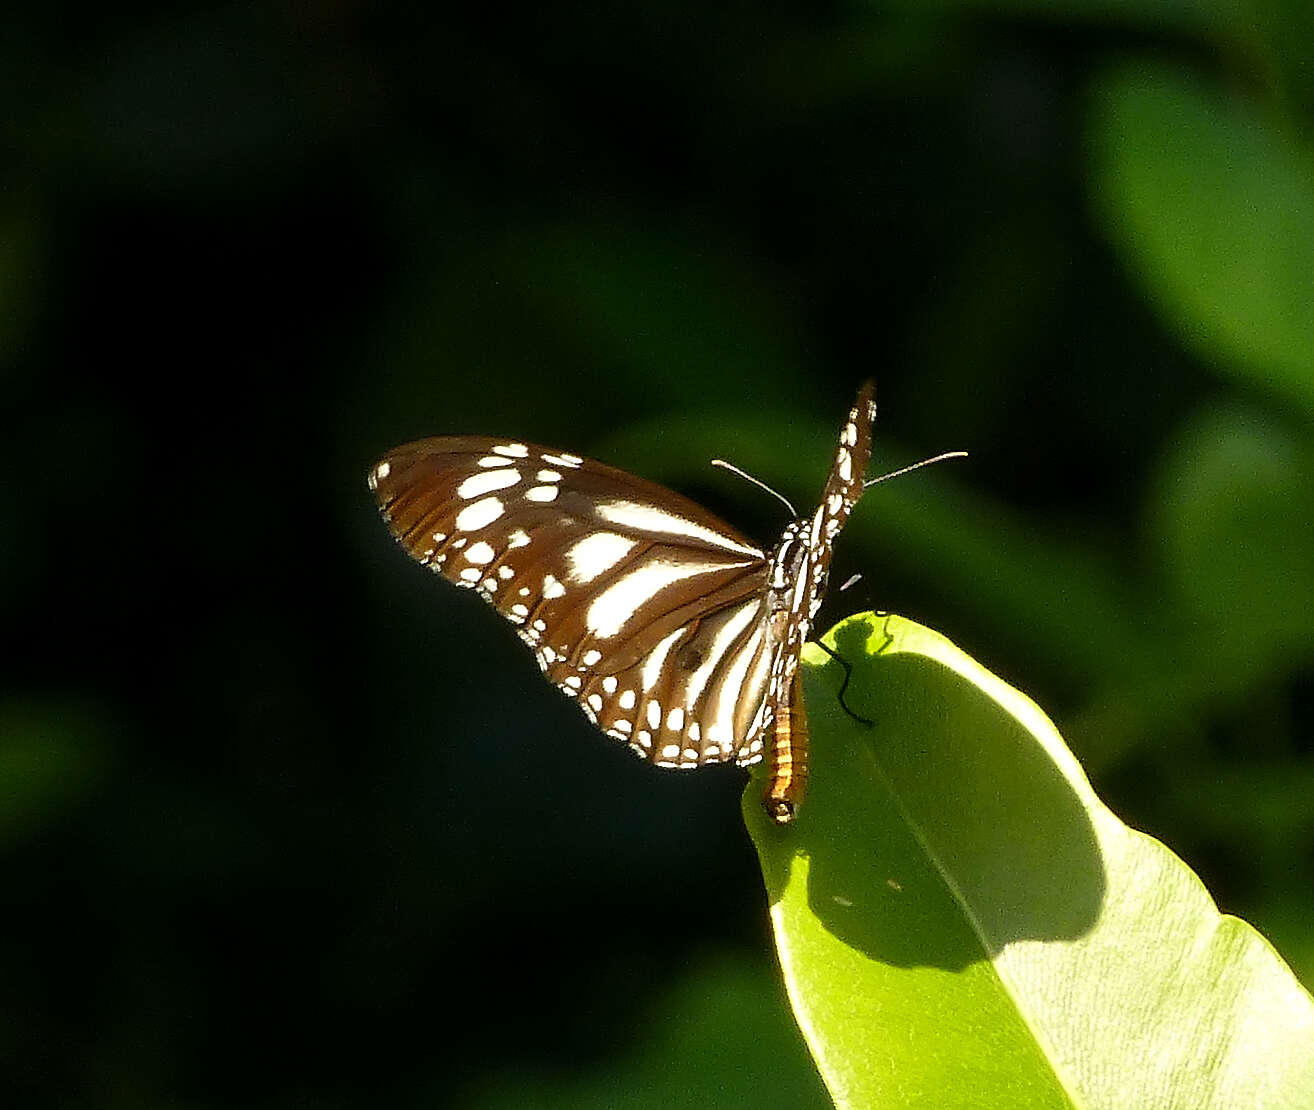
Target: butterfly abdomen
column 787, row 771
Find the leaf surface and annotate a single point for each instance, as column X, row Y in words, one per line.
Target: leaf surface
column 962, row 923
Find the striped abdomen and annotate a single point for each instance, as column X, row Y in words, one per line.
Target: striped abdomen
column 787, row 778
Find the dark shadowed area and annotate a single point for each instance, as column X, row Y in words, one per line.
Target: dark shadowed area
column 286, row 821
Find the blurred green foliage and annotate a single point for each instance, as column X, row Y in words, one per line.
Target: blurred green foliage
column 285, row 823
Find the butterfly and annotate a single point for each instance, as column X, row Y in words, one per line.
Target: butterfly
column 672, row 631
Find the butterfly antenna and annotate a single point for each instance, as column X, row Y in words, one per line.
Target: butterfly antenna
column 757, row 482
column 915, row 466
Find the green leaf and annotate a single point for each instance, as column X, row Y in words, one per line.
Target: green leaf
column 1212, row 206
column 1231, row 512
column 962, row 923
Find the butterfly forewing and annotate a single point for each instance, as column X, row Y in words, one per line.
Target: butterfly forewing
column 639, row 604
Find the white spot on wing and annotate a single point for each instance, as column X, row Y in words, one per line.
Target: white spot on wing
column 479, row 553
column 562, row 460
column 514, row 450
column 616, row 604
column 728, row 633
column 652, row 666
column 518, row 538
column 552, row 588
column 541, row 493
column 549, row 476
column 649, row 518
column 496, row 460
column 479, row 484
column 595, row 555
column 478, row 515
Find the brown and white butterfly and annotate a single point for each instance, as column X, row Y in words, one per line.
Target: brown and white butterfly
column 669, row 629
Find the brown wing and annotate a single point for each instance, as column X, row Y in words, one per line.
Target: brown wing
column 646, row 609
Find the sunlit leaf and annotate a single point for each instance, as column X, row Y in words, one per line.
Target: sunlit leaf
column 962, row 923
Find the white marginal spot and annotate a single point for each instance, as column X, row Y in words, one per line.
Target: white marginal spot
column 479, row 484
column 591, row 657
column 521, row 611
column 675, row 719
column 518, row 538
column 479, row 553
column 649, row 518
column 691, row 753
column 547, row 655
column 562, row 460
column 540, row 626
column 624, row 726
column 609, row 685
column 755, row 746
column 626, row 700
column 834, row 503
column 478, row 515
column 549, row 476
column 541, row 493
column 616, row 604
column 505, row 572
column 670, row 751
column 844, row 464
column 644, row 737
column 471, row 575
column 574, row 682
column 596, row 554
column 552, row 588
column 496, row 460
column 654, row 715
column 514, row 450
column 382, row 471
column 595, row 701
column 849, row 436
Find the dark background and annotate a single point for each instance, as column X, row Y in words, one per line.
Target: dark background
column 284, row 821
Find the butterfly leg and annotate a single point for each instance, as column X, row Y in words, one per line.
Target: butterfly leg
column 787, row 778
column 848, row 674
